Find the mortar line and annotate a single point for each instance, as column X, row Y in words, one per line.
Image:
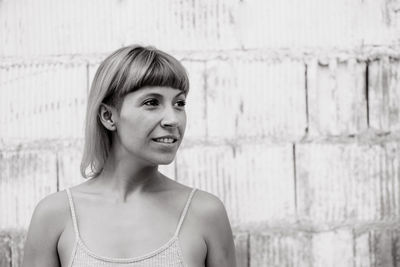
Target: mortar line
column 367, row 90
column 87, row 79
column 394, row 254
column 306, row 92
column 248, row 249
column 57, row 172
column 205, row 79
column 353, row 233
column 10, row 249
column 295, row 178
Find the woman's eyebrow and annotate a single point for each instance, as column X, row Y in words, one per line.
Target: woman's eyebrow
column 181, row 93
column 160, row 95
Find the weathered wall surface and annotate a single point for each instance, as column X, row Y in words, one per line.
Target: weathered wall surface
column 293, row 116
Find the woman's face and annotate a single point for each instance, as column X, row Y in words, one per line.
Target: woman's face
column 151, row 124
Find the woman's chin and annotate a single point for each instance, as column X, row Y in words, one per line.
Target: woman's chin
column 163, row 160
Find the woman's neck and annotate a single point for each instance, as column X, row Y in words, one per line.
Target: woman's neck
column 127, row 178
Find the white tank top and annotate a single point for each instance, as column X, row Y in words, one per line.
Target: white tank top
column 168, row 255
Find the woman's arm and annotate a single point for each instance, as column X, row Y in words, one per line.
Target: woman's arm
column 217, row 233
column 44, row 230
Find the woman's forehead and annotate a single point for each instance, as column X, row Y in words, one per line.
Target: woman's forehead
column 163, row 91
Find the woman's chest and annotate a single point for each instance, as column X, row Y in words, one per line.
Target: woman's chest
column 124, row 237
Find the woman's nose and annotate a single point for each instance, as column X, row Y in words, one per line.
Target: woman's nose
column 170, row 119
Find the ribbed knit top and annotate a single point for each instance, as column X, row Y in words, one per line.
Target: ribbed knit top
column 168, row 255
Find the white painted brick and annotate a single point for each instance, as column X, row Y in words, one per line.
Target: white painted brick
column 377, row 247
column 42, row 101
column 95, row 26
column 376, row 22
column 92, row 68
column 384, row 94
column 223, row 99
column 347, row 182
column 69, row 160
column 336, row 98
column 315, row 23
column 255, row 182
column 191, row 25
column 195, row 102
column 241, row 248
column 331, row 249
column 5, row 251
column 26, row 178
column 17, row 244
column 276, row 249
column 48, row 27
column 249, row 98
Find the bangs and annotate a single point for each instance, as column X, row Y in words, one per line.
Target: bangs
column 164, row 73
column 156, row 69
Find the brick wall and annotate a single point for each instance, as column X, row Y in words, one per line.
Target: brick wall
column 293, row 116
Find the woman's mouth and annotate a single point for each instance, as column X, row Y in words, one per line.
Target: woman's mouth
column 167, row 142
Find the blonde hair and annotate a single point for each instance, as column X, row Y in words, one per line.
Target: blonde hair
column 125, row 70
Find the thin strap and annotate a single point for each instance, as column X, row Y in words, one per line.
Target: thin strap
column 74, row 221
column 184, row 212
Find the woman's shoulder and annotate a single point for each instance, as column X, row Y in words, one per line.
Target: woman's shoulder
column 55, row 201
column 213, row 222
column 207, row 204
column 46, row 225
column 203, row 203
column 54, row 206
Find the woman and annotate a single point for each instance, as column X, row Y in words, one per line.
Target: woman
column 128, row 213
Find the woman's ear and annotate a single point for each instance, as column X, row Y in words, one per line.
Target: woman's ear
column 107, row 116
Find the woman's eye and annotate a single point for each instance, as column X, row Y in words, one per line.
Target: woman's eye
column 181, row 103
column 151, row 102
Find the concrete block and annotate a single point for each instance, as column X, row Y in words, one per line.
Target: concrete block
column 223, row 99
column 42, row 101
column 334, row 248
column 5, row 250
column 384, row 94
column 377, row 247
column 256, row 98
column 255, row 181
column 241, row 240
column 17, row 244
column 376, row 22
column 54, row 28
column 92, row 69
column 339, row 182
column 72, row 27
column 314, row 23
column 336, row 98
column 69, row 160
column 284, row 248
column 191, row 25
column 25, row 179
column 195, row 102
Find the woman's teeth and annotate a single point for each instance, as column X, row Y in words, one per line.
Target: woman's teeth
column 165, row 140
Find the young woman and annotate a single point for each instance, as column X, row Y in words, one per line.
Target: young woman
column 128, row 213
